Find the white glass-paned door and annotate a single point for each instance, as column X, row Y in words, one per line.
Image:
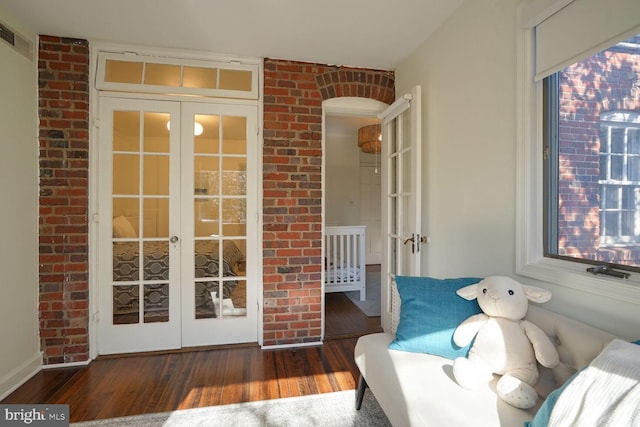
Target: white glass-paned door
column 139, row 221
column 401, row 145
column 177, row 187
column 219, row 187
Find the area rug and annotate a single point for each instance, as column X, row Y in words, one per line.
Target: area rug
column 326, row 409
column 370, row 306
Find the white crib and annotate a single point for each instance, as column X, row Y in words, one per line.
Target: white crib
column 345, row 269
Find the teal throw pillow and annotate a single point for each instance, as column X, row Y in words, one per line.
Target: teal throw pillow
column 430, row 311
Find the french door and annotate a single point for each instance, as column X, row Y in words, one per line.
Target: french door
column 401, row 151
column 177, row 187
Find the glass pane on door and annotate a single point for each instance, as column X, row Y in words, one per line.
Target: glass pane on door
column 140, row 209
column 219, row 206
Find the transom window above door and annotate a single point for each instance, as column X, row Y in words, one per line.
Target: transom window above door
column 151, row 74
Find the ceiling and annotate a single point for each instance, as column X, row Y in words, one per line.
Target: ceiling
column 375, row 34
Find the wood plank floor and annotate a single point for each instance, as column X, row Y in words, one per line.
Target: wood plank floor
column 147, row 383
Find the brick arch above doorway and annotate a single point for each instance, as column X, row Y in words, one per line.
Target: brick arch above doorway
column 371, row 84
column 292, row 189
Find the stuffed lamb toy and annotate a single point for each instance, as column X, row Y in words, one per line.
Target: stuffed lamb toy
column 505, row 344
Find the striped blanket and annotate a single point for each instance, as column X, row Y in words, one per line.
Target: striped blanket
column 606, row 393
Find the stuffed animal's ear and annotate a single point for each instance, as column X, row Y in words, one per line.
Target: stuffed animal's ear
column 536, row 294
column 469, row 292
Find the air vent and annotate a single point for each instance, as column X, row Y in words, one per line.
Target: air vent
column 19, row 43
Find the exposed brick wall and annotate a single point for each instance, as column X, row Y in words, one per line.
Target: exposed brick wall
column 292, row 193
column 292, row 160
column 63, row 73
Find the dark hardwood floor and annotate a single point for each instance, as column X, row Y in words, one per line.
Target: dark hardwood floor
column 147, row 383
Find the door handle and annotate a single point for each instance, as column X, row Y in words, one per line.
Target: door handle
column 173, row 239
column 411, row 239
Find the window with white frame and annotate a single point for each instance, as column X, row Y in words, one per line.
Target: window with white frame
column 592, row 158
column 578, row 131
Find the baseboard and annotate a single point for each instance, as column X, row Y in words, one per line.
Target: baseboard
column 66, row 365
column 281, row 346
column 20, row 375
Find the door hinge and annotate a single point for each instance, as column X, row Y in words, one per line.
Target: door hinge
column 96, row 218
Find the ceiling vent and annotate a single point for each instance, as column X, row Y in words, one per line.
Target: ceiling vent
column 16, row 41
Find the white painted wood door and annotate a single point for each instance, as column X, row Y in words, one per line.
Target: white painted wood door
column 139, row 212
column 220, row 211
column 174, row 204
column 401, row 153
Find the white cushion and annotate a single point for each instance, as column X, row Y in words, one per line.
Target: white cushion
column 427, row 394
column 417, row 389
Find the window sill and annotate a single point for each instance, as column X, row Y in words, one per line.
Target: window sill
column 574, row 275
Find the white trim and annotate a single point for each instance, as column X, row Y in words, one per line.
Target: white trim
column 67, row 365
column 535, row 12
column 298, row 345
column 394, row 110
column 260, row 234
column 143, row 57
column 530, row 260
column 352, row 106
column 20, row 375
column 94, row 208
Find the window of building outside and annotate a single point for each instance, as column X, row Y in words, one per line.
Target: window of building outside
column 592, row 159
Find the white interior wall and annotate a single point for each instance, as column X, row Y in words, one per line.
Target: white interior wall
column 20, row 355
column 467, row 70
column 342, row 180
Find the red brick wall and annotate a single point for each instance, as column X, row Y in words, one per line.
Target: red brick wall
column 63, row 72
column 292, row 160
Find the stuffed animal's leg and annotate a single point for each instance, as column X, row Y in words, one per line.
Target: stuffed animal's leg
column 472, row 372
column 515, row 389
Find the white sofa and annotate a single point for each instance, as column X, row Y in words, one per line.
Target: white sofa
column 418, row 389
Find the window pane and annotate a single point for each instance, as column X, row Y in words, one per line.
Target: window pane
column 156, row 132
column 209, row 140
column 617, row 140
column 596, row 171
column 235, row 80
column 123, row 72
column 612, row 199
column 126, row 170
column 126, row 131
column 634, row 169
column 162, row 75
column 199, row 77
column 634, row 141
column 616, row 168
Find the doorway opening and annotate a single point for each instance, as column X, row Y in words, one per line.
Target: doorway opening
column 352, row 200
